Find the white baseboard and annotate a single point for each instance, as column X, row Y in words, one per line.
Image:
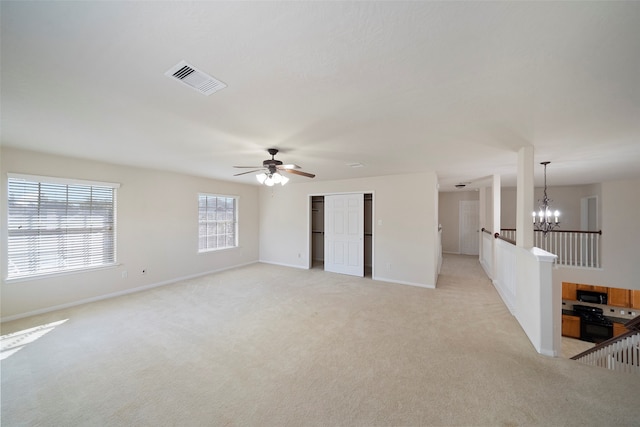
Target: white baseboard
column 401, row 282
column 303, row 267
column 117, row 294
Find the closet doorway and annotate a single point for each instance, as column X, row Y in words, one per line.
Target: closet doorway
column 342, row 251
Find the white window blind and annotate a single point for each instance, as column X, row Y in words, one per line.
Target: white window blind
column 217, row 222
column 55, row 226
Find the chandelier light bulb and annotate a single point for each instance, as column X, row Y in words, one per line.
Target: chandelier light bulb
column 277, row 178
column 269, row 181
column 283, row 180
column 261, row 177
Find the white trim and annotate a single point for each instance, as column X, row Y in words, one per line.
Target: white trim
column 402, row 282
column 60, row 273
column 236, row 222
column 542, row 255
column 118, row 294
column 302, row 267
column 60, row 180
column 576, row 267
column 550, row 353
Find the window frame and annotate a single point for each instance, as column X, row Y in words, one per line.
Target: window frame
column 235, row 222
column 75, row 266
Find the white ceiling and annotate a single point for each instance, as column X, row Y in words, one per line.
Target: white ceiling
column 401, row 87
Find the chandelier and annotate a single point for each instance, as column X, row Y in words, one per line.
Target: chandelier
column 545, row 220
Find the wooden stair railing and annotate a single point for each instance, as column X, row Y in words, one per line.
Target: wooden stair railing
column 498, row 236
column 620, row 353
column 574, row 248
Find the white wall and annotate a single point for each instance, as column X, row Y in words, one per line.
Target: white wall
column 620, row 240
column 157, row 230
column 404, row 217
column 564, row 198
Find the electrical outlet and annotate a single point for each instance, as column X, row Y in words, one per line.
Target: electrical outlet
column 621, row 311
column 125, row 274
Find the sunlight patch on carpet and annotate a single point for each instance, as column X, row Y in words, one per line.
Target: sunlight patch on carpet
column 10, row 344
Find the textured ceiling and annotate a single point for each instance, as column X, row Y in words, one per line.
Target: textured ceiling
column 451, row 87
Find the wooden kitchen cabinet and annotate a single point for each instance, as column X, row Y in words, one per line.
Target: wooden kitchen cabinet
column 569, row 291
column 635, row 299
column 619, row 297
column 570, row 326
column 592, row 288
column 618, row 329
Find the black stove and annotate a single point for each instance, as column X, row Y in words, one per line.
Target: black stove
column 594, row 327
column 592, row 314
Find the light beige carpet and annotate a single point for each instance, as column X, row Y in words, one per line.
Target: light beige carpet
column 273, row 346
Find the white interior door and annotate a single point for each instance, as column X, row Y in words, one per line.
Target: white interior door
column 344, row 234
column 469, row 227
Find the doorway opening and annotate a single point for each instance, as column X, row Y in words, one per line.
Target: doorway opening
column 318, row 237
column 589, row 213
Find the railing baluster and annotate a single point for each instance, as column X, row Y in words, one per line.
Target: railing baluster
column 573, row 248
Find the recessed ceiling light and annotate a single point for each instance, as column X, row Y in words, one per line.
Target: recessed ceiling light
column 194, row 78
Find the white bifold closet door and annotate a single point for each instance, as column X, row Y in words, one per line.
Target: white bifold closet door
column 344, row 234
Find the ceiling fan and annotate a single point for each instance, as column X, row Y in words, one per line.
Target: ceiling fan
column 270, row 171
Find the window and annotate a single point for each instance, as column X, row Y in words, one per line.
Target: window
column 217, row 222
column 57, row 225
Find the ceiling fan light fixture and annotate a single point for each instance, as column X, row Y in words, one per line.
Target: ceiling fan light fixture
column 272, row 170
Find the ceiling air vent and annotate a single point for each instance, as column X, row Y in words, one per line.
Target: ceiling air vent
column 194, row 78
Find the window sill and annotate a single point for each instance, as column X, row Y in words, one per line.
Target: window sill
column 208, row 251
column 58, row 273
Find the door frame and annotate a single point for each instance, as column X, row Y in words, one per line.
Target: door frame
column 373, row 226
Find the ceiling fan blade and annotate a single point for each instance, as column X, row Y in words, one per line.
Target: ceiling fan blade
column 290, row 166
column 244, row 173
column 247, row 167
column 297, row 172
